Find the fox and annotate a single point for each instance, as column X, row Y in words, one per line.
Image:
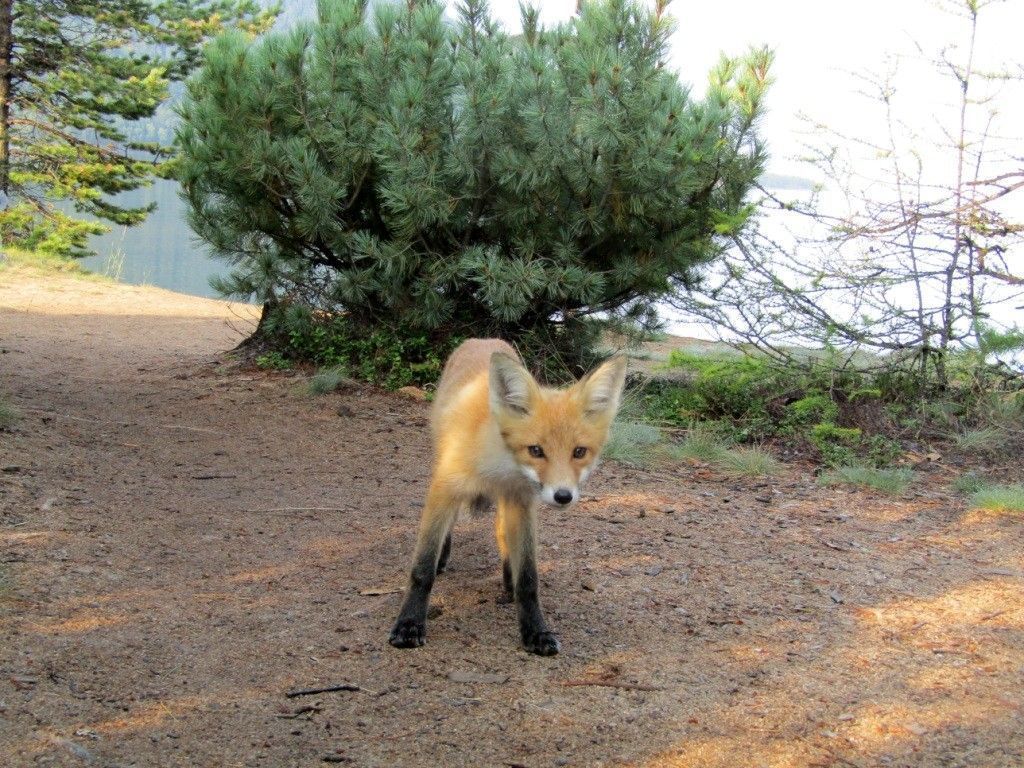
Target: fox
column 502, row 439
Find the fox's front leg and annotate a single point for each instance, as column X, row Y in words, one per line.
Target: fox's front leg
column 410, row 630
column 519, row 523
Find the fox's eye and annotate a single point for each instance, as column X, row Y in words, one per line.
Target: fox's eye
column 536, row 451
column 579, row 452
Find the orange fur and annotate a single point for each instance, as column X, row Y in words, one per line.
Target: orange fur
column 500, row 436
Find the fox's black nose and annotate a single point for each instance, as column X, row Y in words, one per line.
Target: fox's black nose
column 563, row 495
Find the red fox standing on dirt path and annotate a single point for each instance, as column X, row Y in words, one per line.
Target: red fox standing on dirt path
column 500, row 437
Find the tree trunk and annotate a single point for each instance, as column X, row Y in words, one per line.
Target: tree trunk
column 6, row 49
column 259, row 335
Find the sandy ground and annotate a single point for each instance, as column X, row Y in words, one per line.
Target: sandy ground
column 183, row 542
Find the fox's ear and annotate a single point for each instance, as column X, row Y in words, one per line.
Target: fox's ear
column 602, row 389
column 512, row 386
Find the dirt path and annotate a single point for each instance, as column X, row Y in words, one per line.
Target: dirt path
column 182, row 543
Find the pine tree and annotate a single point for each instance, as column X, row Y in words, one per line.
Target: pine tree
column 451, row 177
column 71, row 71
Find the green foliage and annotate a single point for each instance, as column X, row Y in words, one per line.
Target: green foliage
column 273, row 361
column 993, row 341
column 837, row 445
column 815, row 409
column 393, row 359
column 846, row 416
column 9, row 415
column 433, row 177
column 328, row 379
column 736, row 389
column 76, row 72
column 886, row 480
column 999, row 498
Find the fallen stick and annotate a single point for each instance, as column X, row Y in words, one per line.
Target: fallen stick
column 213, row 477
column 300, row 509
column 324, row 689
column 993, row 615
column 612, row 684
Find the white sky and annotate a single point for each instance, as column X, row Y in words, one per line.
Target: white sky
column 821, row 44
column 817, row 43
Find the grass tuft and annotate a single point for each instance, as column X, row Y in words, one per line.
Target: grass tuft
column 885, row 480
column 999, row 498
column 40, row 263
column 328, row 379
column 9, row 415
column 700, row 444
column 984, row 440
column 751, row 462
column 968, row 483
column 632, row 442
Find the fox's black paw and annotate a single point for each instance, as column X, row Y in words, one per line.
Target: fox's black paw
column 504, row 597
column 408, row 633
column 541, row 643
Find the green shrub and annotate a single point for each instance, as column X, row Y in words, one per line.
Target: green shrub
column 812, row 409
column 433, row 173
column 392, row 358
column 273, row 361
column 728, row 387
column 837, row 445
column 885, row 480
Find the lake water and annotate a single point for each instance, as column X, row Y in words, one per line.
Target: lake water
column 162, row 251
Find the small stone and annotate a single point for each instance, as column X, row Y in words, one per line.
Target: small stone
column 654, row 570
